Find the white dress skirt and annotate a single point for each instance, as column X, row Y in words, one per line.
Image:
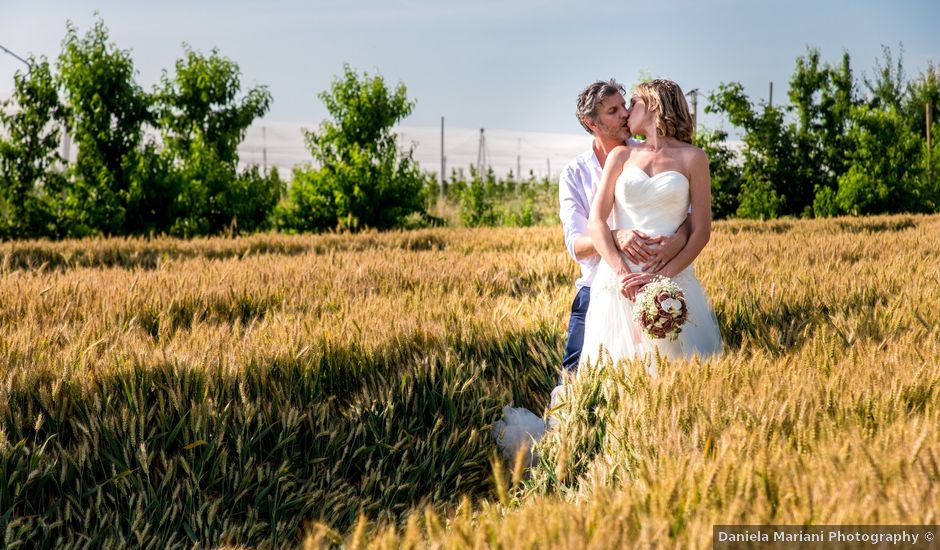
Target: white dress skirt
column 655, row 205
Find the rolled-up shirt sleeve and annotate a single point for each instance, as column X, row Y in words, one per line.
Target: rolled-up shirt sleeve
column 573, row 210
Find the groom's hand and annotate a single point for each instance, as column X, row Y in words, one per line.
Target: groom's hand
column 664, row 250
column 637, row 245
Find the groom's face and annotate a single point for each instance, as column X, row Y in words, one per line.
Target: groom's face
column 611, row 119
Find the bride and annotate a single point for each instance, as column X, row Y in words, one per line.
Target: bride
column 651, row 186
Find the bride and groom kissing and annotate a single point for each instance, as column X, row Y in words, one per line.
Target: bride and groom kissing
column 632, row 211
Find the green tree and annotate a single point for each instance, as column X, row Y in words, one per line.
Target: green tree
column 932, row 170
column 30, row 179
column 922, row 91
column 822, row 97
column 885, row 147
column 476, row 199
column 769, row 159
column 887, row 86
column 759, row 200
column 202, row 121
column 825, row 203
column 886, row 173
column 725, row 171
column 361, row 175
column 106, row 112
column 832, row 150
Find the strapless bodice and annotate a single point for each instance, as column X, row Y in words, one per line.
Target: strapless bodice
column 656, row 205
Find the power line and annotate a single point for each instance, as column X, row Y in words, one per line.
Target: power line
column 27, row 63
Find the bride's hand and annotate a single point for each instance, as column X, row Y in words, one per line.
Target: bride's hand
column 635, row 244
column 633, row 283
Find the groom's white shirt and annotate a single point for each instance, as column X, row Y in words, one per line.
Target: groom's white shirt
column 579, row 180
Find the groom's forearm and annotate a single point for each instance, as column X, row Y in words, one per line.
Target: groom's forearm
column 685, row 229
column 584, row 247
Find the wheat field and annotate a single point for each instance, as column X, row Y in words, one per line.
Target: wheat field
column 273, row 391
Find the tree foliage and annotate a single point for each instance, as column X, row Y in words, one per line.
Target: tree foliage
column 105, row 113
column 166, row 160
column 725, row 172
column 359, row 177
column 31, row 179
column 884, row 173
column 202, row 121
column 834, row 148
column 123, row 180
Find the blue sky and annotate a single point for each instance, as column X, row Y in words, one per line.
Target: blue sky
column 496, row 64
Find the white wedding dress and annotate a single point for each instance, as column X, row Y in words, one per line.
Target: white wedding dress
column 655, row 205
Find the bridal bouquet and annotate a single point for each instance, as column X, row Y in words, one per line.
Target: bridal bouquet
column 660, row 309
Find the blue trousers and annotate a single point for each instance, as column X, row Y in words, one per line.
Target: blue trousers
column 579, row 308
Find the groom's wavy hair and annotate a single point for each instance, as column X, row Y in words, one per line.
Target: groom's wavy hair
column 594, row 95
column 672, row 111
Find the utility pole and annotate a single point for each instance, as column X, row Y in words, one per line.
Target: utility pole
column 548, row 163
column 770, row 100
column 264, row 149
column 694, row 93
column 66, row 143
column 481, row 154
column 443, row 161
column 519, row 159
column 929, row 122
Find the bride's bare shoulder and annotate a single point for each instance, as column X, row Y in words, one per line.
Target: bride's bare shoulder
column 620, row 150
column 619, row 154
column 691, row 154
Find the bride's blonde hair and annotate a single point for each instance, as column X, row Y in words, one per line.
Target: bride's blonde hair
column 672, row 111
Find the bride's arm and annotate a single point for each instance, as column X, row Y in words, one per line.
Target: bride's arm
column 700, row 220
column 601, row 206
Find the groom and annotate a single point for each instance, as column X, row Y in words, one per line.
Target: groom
column 602, row 111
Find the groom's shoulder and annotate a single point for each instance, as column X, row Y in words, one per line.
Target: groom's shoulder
column 581, row 162
column 582, row 159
